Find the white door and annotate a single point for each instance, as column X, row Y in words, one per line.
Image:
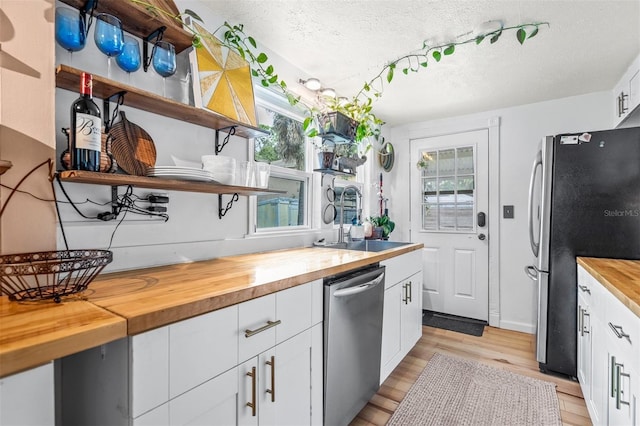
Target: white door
column 449, row 193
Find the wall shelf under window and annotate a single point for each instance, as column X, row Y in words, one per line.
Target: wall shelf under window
column 333, row 172
column 80, row 176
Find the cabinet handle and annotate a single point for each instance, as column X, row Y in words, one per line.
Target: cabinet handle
column 614, row 387
column 619, row 375
column 404, row 293
column 580, row 321
column 622, row 108
column 268, row 325
column 272, row 391
column 252, row 404
column 585, row 330
column 409, row 292
column 619, row 332
column 584, row 288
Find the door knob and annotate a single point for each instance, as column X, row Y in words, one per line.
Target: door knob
column 482, row 237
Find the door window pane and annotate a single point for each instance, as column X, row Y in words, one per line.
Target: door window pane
column 448, row 185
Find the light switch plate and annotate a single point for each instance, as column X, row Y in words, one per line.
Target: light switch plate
column 507, row 212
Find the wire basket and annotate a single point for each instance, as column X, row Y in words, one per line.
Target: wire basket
column 50, row 274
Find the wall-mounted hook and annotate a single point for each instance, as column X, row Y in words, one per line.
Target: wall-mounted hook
column 153, row 38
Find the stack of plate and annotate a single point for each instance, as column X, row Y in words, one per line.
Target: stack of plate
column 183, row 173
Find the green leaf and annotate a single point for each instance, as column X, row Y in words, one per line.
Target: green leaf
column 269, row 70
column 306, row 123
column 193, row 15
column 424, row 64
column 479, row 39
column 264, row 83
column 450, row 49
column 255, row 73
column 367, row 87
column 273, row 79
column 241, row 52
column 405, row 71
column 252, row 42
column 437, row 55
column 283, row 85
column 521, row 35
column 534, row 32
column 390, row 74
column 197, row 41
column 313, row 133
column 262, row 58
column 496, row 37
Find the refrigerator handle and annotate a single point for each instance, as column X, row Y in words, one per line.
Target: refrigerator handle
column 531, row 272
column 537, row 165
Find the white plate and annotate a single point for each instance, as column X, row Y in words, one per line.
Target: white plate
column 185, row 177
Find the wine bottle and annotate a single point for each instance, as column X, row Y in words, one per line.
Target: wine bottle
column 85, row 139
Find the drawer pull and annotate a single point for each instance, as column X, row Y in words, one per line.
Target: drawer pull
column 619, row 332
column 584, row 288
column 268, row 325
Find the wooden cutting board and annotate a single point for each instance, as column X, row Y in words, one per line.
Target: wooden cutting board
column 132, row 147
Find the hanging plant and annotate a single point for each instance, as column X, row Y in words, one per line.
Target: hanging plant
column 360, row 106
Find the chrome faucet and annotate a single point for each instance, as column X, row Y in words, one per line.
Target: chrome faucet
column 344, row 191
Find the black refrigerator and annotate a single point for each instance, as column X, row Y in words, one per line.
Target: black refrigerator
column 584, row 200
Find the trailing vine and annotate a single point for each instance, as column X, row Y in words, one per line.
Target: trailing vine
column 360, row 107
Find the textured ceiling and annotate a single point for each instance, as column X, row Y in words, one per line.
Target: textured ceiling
column 587, row 47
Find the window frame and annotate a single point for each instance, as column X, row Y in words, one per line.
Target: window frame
column 268, row 99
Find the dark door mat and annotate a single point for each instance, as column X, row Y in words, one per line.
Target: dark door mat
column 464, row 325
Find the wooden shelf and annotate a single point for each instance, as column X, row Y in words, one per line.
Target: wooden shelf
column 69, row 78
column 80, row 176
column 137, row 20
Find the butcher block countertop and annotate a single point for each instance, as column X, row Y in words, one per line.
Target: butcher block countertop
column 127, row 303
column 34, row 333
column 154, row 297
column 620, row 277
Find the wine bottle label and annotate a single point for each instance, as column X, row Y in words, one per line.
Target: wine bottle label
column 88, row 132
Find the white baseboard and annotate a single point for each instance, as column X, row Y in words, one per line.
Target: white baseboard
column 518, row 326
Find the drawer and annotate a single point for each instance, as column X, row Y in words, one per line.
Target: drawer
column 256, row 326
column 202, row 347
column 294, row 309
column 401, row 267
column 625, row 322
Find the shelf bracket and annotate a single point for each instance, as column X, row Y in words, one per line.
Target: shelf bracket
column 119, row 100
column 154, row 37
column 231, row 130
column 223, row 211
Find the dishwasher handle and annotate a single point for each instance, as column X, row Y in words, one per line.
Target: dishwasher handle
column 359, row 288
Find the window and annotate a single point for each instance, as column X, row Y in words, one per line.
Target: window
column 448, row 187
column 285, row 149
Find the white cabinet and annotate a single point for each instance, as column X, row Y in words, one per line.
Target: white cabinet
column 608, row 354
column 402, row 313
column 26, row 398
column 626, row 95
column 194, row 371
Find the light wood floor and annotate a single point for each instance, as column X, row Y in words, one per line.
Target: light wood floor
column 506, row 349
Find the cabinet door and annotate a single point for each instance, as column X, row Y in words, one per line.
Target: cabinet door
column 317, row 375
column 211, row 403
column 292, row 381
column 256, row 326
column 201, row 348
column 27, row 398
column 411, row 321
column 391, row 330
column 149, row 370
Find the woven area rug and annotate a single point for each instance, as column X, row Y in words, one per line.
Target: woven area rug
column 456, row 391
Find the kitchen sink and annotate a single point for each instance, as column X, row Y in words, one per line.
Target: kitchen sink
column 368, row 245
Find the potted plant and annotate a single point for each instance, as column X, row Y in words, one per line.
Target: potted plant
column 384, row 223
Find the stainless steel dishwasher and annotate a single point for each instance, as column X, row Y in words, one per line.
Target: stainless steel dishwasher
column 353, row 303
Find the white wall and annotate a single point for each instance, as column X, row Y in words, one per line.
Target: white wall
column 521, row 128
